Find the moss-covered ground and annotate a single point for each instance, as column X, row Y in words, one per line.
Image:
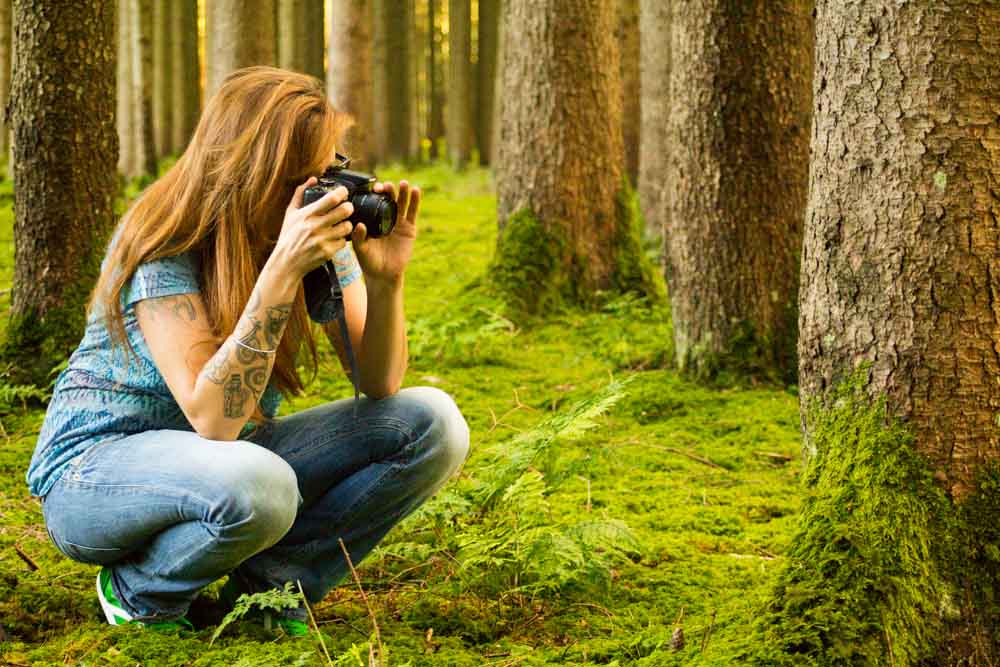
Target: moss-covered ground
column 674, row 509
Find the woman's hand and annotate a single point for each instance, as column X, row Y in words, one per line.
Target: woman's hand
column 385, row 258
column 311, row 235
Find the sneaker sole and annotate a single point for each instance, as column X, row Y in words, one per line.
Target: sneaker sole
column 111, row 612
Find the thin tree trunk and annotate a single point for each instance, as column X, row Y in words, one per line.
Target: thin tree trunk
column 738, row 136
column 141, row 34
column 459, row 128
column 300, row 36
column 488, row 48
column 435, row 113
column 654, row 149
column 392, row 87
column 124, row 90
column 186, row 87
column 62, row 114
column 349, row 83
column 163, row 76
column 628, row 38
column 899, row 273
column 242, row 33
column 5, row 70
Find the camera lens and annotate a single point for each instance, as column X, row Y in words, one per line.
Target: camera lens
column 376, row 211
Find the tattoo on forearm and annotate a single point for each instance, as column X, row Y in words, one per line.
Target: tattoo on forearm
column 255, row 378
column 234, row 397
column 217, row 368
column 277, row 317
column 252, row 339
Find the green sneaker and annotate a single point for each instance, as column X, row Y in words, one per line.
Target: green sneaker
column 293, row 627
column 116, row 614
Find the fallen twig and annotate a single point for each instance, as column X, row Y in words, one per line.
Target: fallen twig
column 319, row 635
column 25, row 557
column 364, row 596
column 693, row 457
column 774, row 456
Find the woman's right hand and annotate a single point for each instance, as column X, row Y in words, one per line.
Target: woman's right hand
column 311, row 235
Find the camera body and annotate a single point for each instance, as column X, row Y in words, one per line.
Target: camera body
column 376, row 210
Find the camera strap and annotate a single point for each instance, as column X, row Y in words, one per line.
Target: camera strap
column 337, row 292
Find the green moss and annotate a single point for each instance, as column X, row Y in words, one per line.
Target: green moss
column 636, row 272
column 527, row 268
column 880, row 553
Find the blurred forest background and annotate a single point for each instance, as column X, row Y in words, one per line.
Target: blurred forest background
column 715, row 284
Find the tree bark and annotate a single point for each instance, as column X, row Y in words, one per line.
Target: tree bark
column 654, row 148
column 65, row 147
column 124, row 90
column 349, row 83
column 163, row 77
column 5, row 70
column 141, row 34
column 629, row 41
column 241, row 33
column 392, row 87
column 488, row 49
column 186, row 87
column 560, row 164
column 435, row 97
column 738, row 135
column 459, row 127
column 902, row 250
column 300, row 36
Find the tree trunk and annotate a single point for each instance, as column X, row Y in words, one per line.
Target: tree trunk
column 654, row 148
column 488, row 48
column 899, row 277
column 62, row 113
column 628, row 39
column 300, row 36
column 349, row 83
column 459, row 128
column 186, row 87
column 141, row 34
column 565, row 229
column 163, row 77
column 5, row 69
column 241, row 33
column 392, row 87
column 738, row 137
column 124, row 90
column 435, row 113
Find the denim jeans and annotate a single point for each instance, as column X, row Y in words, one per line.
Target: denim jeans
column 169, row 512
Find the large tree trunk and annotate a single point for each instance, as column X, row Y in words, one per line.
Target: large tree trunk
column 240, row 33
column 300, row 36
column 488, row 49
column 349, row 83
column 163, row 77
column 392, row 85
column 435, row 97
column 5, row 69
column 459, row 126
column 629, row 40
column 740, row 91
column 564, row 225
column 899, row 277
column 141, row 34
column 654, row 148
column 186, row 87
column 65, row 148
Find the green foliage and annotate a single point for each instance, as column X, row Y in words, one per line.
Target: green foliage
column 272, row 600
column 864, row 583
column 527, row 270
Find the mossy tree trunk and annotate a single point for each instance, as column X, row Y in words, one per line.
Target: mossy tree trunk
column 300, row 36
column 392, row 86
column 186, row 87
column 629, row 41
column 900, row 262
column 65, row 148
column 740, row 90
column 240, row 33
column 488, row 47
column 349, row 83
column 459, row 126
column 163, row 77
column 5, row 69
column 563, row 202
column 654, row 149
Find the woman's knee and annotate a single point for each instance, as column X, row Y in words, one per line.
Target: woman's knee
column 445, row 429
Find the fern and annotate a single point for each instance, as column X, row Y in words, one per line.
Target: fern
column 274, row 600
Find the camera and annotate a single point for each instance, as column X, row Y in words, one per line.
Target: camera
column 376, row 210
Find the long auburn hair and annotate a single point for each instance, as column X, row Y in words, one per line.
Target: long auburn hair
column 261, row 135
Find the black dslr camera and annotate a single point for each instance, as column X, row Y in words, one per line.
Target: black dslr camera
column 376, row 210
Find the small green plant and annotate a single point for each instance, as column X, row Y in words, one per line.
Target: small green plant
column 273, row 600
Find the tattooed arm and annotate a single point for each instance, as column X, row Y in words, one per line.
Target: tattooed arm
column 217, row 387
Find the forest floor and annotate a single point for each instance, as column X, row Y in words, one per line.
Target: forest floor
column 607, row 501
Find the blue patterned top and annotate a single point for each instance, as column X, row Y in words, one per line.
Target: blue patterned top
column 99, row 396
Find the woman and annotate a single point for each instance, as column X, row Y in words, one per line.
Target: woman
column 160, row 458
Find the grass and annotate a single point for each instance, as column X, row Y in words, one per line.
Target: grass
column 705, row 479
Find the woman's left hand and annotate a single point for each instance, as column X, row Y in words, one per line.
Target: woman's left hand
column 385, row 258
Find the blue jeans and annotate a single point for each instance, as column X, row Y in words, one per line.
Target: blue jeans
column 169, row 512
